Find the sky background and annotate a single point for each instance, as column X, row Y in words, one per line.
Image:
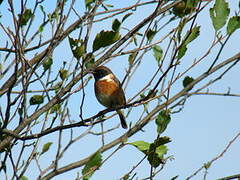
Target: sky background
column 199, row 132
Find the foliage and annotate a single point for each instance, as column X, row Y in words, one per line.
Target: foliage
column 219, row 14
column 105, row 38
column 93, row 164
column 163, row 54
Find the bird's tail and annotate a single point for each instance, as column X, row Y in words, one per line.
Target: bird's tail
column 122, row 119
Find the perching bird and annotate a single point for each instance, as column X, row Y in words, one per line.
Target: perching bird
column 108, row 91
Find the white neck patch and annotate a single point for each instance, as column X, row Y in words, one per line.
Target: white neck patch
column 107, row 78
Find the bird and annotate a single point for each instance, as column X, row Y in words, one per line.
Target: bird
column 108, row 91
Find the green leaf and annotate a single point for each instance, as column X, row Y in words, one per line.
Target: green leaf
column 56, row 109
column 63, row 73
column 40, row 29
column 131, row 58
column 219, row 14
column 162, row 140
column 189, row 37
column 53, row 16
column 116, row 25
column 188, row 80
column 79, row 51
column 23, row 178
column 47, row 63
column 162, row 121
column 105, row 38
column 155, row 154
column 36, row 99
column 73, row 42
column 25, row 17
column 150, row 34
column 93, row 164
column 157, row 52
column 46, row 147
column 233, row 24
column 182, row 51
column 207, row 165
column 161, row 150
column 89, row 2
column 89, row 60
column 141, row 146
column 77, row 47
column 157, row 150
column 180, row 28
column 126, row 16
column 179, row 9
column 185, row 7
column 42, row 9
column 154, row 160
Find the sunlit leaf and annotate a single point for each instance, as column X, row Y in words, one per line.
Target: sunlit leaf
column 23, row 178
column 141, row 146
column 46, row 147
column 219, row 14
column 233, row 24
column 182, row 51
column 161, row 150
column 92, row 165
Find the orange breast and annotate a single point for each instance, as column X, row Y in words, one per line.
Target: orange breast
column 105, row 91
column 109, row 93
column 106, row 87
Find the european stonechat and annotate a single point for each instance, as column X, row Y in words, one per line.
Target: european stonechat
column 108, row 91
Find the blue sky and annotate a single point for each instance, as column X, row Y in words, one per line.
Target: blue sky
column 199, row 132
